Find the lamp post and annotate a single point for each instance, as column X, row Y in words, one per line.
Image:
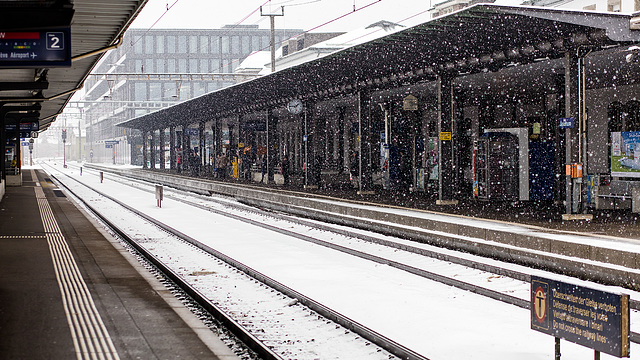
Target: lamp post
column 31, row 151
column 64, row 148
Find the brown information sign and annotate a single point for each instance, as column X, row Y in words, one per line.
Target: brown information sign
column 592, row 318
column 410, row 103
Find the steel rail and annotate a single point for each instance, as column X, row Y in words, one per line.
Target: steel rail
column 502, row 252
column 236, row 328
column 496, row 295
column 365, row 332
column 353, row 234
column 512, row 300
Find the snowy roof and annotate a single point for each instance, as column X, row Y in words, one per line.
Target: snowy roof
column 361, row 35
column 480, row 37
column 262, row 59
column 255, row 62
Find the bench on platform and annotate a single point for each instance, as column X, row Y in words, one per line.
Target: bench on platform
column 619, row 195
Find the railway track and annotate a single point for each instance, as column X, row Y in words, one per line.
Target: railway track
column 378, row 240
column 436, row 253
column 246, row 335
column 260, row 349
column 367, row 238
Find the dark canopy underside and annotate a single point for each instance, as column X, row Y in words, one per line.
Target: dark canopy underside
column 93, row 25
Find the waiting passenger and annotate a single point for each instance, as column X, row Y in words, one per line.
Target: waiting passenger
column 179, row 163
column 263, row 167
column 222, row 165
column 285, row 170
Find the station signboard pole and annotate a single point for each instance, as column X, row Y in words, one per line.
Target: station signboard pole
column 110, row 144
column 589, row 317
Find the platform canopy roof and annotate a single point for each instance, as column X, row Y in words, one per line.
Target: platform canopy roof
column 479, row 38
column 44, row 91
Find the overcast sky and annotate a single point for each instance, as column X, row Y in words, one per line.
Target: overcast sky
column 299, row 14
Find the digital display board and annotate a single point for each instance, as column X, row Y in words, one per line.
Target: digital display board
column 596, row 319
column 43, row 48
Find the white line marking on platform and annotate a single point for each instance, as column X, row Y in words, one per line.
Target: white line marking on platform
column 90, row 336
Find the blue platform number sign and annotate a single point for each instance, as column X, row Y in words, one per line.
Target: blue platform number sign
column 25, row 49
column 191, row 131
column 567, row 123
column 108, row 144
column 593, row 318
column 55, row 40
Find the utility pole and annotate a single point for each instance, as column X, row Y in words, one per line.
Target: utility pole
column 80, row 138
column 272, row 18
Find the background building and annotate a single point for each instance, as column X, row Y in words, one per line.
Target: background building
column 158, row 68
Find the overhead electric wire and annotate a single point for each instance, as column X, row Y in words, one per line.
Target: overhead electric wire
column 414, row 15
column 345, row 15
column 169, row 7
column 253, row 12
column 399, row 22
column 317, row 27
column 355, row 9
column 303, row 3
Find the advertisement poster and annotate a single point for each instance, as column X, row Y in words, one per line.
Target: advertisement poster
column 225, row 137
column 625, row 154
